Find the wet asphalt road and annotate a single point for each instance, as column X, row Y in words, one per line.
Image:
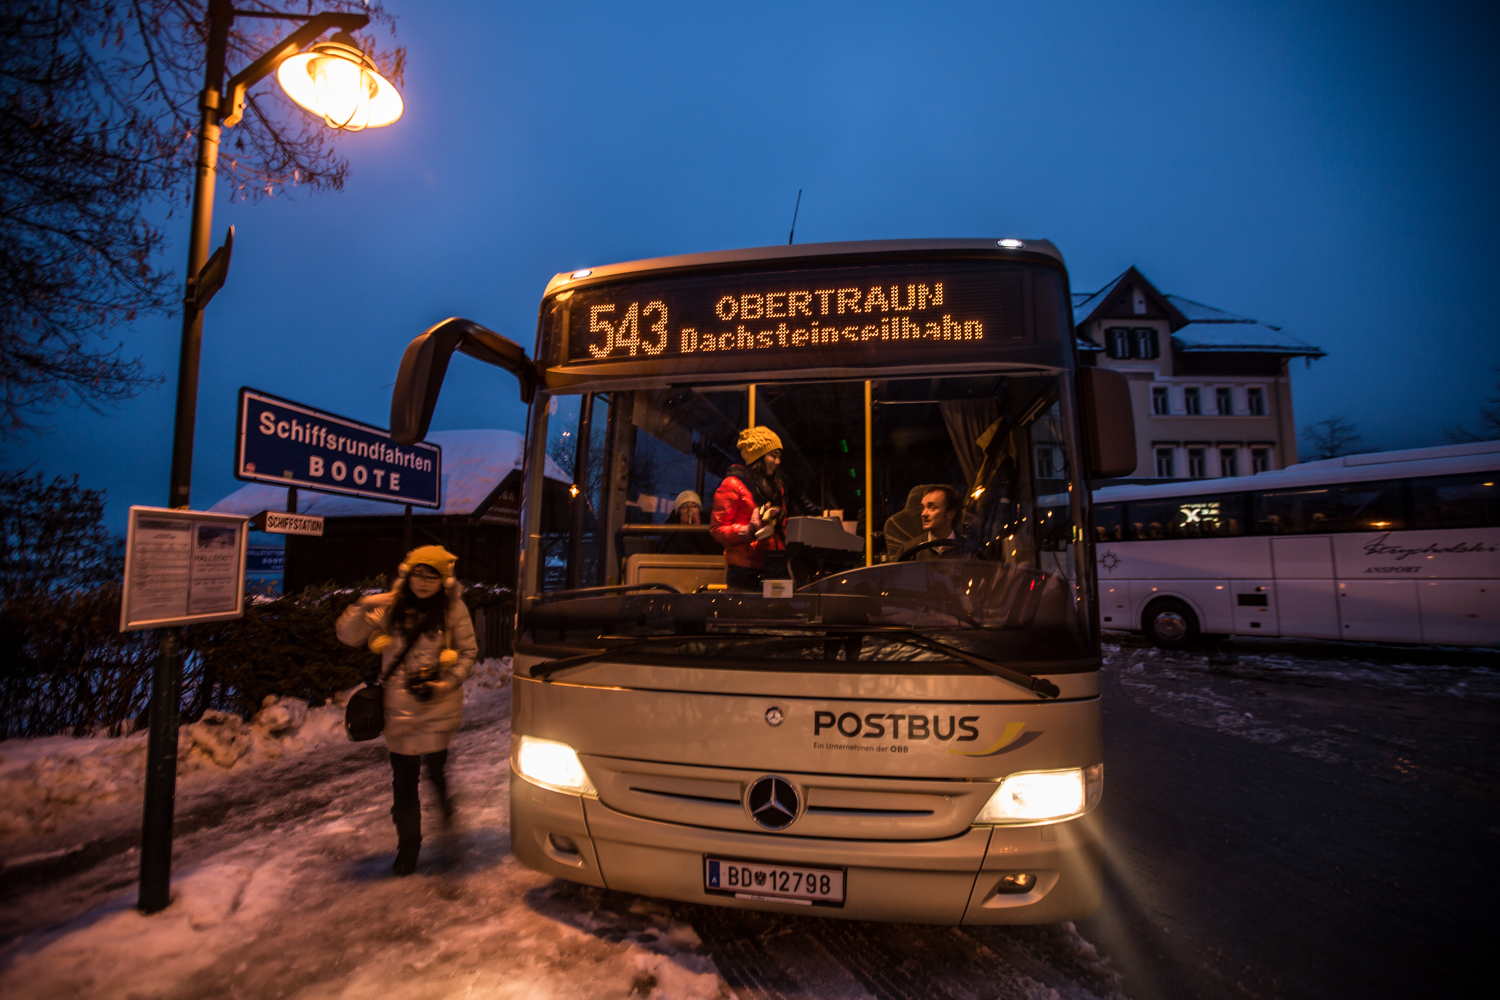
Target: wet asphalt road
column 1353, row 857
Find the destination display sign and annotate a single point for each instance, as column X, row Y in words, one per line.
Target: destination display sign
column 951, row 310
column 289, row 444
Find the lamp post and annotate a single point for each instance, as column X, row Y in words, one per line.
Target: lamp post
column 336, row 81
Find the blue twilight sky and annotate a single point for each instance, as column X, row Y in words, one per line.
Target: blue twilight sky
column 1326, row 167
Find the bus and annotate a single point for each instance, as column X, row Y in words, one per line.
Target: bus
column 1400, row 546
column 884, row 726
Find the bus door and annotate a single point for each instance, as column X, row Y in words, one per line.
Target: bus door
column 1305, row 586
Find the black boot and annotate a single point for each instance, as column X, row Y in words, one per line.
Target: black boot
column 408, row 840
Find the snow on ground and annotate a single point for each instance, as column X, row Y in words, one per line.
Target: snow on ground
column 282, row 888
column 1206, row 687
column 58, row 779
column 297, row 900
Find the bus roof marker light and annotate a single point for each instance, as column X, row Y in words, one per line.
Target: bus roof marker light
column 581, row 274
column 1010, row 244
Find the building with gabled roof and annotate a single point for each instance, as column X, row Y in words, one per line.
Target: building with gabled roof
column 1211, row 390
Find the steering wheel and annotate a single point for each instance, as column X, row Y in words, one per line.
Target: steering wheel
column 936, row 543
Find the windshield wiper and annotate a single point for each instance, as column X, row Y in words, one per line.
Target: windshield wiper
column 544, row 671
column 1039, row 686
column 614, row 588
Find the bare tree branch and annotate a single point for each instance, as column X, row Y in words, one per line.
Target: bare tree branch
column 98, row 119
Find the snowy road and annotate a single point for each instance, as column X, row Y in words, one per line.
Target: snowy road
column 1262, row 810
column 282, row 889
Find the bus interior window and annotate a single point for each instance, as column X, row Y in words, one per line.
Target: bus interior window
column 1107, row 522
column 996, row 440
column 1468, row 500
column 1372, row 506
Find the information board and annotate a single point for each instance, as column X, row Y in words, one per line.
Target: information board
column 870, row 314
column 289, row 444
column 182, row 566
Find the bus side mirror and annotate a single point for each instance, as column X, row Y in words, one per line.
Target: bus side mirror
column 1108, row 422
column 426, row 362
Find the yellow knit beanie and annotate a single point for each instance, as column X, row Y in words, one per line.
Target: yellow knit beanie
column 757, row 442
column 435, row 556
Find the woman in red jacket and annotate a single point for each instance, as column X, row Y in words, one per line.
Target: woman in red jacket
column 748, row 505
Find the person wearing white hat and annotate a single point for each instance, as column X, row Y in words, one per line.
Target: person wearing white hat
column 688, row 509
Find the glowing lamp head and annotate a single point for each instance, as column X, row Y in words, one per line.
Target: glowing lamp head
column 338, row 82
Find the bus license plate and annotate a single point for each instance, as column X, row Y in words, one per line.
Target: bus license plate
column 774, row 883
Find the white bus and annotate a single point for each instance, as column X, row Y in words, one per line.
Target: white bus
column 1402, row 546
column 876, row 730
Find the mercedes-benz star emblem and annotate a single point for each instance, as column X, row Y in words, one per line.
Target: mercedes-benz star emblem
column 773, row 716
column 772, row 802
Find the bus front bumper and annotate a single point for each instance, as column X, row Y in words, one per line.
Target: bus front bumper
column 953, row 881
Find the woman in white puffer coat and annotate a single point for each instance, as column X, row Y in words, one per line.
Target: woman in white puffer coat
column 426, row 640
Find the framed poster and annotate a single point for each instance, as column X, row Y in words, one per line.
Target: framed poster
column 182, row 566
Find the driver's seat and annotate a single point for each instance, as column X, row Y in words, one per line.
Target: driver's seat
column 906, row 524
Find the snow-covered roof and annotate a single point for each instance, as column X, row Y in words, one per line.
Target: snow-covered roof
column 1243, row 336
column 1207, row 328
column 1197, row 312
column 1085, row 303
column 474, row 463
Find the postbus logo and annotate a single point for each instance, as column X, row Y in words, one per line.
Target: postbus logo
column 905, row 729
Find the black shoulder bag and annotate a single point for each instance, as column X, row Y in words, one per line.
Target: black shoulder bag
column 364, row 716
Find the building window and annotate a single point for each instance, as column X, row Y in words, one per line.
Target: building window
column 1134, row 342
column 1260, row 459
column 1161, row 403
column 1192, row 398
column 1256, row 396
column 1144, row 343
column 1117, row 342
column 1229, row 462
column 1224, row 400
column 1165, row 467
column 1197, row 463
column 1048, row 461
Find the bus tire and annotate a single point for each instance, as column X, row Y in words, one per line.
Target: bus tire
column 1170, row 624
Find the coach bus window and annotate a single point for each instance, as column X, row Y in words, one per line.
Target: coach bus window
column 1107, row 522
column 1374, row 506
column 1470, row 500
column 1214, row 516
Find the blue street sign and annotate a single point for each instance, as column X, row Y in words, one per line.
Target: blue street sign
column 289, row 444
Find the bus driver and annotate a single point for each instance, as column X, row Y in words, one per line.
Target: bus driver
column 940, row 510
column 747, row 512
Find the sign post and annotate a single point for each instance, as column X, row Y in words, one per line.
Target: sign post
column 292, row 445
column 181, row 566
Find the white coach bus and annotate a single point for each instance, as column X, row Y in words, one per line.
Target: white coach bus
column 1401, row 546
column 874, row 730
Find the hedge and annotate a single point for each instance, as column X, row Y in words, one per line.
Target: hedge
column 65, row 667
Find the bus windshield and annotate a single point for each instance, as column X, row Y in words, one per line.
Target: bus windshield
column 939, row 508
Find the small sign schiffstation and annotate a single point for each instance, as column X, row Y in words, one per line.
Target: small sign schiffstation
column 281, row 523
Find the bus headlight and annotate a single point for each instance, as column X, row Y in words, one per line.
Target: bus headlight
column 1044, row 796
column 552, row 765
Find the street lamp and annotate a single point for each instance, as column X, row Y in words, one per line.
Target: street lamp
column 339, row 83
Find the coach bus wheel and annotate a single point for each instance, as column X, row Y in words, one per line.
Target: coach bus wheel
column 1170, row 624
